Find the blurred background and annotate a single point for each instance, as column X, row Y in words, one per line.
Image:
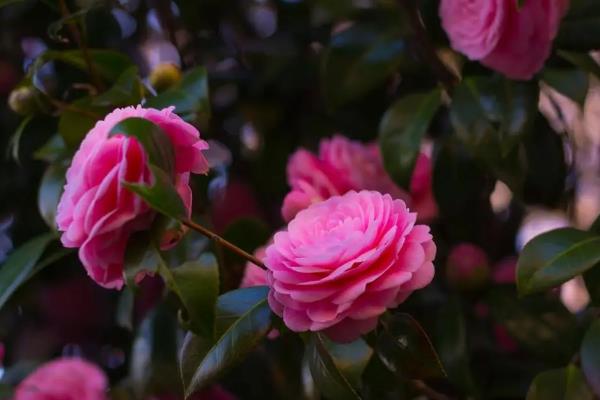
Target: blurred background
column 282, row 74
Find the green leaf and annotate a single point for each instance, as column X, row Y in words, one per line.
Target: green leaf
column 573, row 83
column 4, row 3
column 190, row 96
column 350, row 359
column 77, row 120
column 327, row 376
column 197, row 285
column 580, row 30
column 193, row 350
column 127, row 90
column 581, row 60
column 540, row 324
column 49, row 193
column 141, row 257
column 161, row 196
column 359, row 59
column 237, row 341
column 560, row 384
column 491, row 116
column 153, row 366
column 234, row 304
column 406, row 350
column 125, row 309
column 401, row 131
column 21, row 262
column 590, row 356
column 108, row 64
column 15, row 141
column 153, row 139
column 555, row 257
column 450, row 340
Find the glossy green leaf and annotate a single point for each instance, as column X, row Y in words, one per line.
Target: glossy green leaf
column 153, row 139
column 358, row 59
column 450, row 340
column 153, row 366
column 193, row 350
column 590, row 356
column 108, row 64
column 555, row 257
column 560, row 384
column 15, row 141
column 50, row 191
column 19, row 265
column 327, row 376
column 161, row 195
column 401, row 131
column 127, row 90
column 491, row 116
column 405, row 348
column 573, row 83
column 232, row 305
column 190, row 96
column 350, row 359
column 77, row 120
column 197, row 285
column 539, row 323
column 141, row 258
column 237, row 341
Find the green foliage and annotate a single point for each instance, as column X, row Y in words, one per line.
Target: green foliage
column 402, row 130
column 555, row 257
column 560, row 384
column 590, row 356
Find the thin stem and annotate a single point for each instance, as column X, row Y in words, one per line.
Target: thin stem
column 428, row 391
column 219, row 240
column 444, row 75
column 78, row 38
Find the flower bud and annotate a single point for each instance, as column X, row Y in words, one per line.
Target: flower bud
column 165, row 76
column 22, row 100
column 467, row 267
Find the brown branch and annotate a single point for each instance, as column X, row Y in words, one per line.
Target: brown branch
column 78, row 38
column 426, row 49
column 219, row 240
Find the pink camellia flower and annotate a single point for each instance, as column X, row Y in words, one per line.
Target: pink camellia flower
column 342, row 262
column 96, row 213
column 64, row 379
column 253, row 274
column 467, row 267
column 343, row 165
column 511, row 40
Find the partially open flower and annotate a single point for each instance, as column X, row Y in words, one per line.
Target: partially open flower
column 64, row 379
column 96, row 213
column 342, row 262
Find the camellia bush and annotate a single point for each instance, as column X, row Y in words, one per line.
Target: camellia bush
column 299, row 199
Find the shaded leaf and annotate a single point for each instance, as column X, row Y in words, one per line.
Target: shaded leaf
column 590, row 356
column 141, row 258
column 161, row 195
column 540, row 324
column 581, row 60
column 572, row 83
column 560, row 384
column 232, row 305
column 197, row 285
column 358, row 59
column 401, row 131
column 555, row 257
column 237, row 341
column 21, row 262
column 190, row 96
column 406, row 350
column 49, row 193
column 77, row 120
column 350, row 359
column 16, row 138
column 127, row 90
column 193, row 350
column 326, row 375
